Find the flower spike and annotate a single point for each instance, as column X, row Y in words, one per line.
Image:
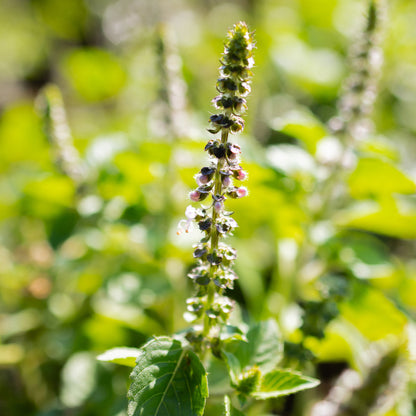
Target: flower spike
column 213, row 272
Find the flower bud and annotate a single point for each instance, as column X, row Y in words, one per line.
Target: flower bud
column 233, row 151
column 240, row 174
column 240, row 105
column 244, row 89
column 194, row 195
column 237, row 126
column 218, row 205
column 226, row 181
column 202, row 179
column 242, row 192
column 226, row 84
column 198, row 195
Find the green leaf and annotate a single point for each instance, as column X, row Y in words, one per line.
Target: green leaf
column 301, row 125
column 168, row 380
column 375, row 316
column 229, row 409
column 377, row 177
column 387, row 218
column 263, row 349
column 95, row 74
column 122, row 355
column 282, row 383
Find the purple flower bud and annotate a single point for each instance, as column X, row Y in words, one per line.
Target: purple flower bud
column 202, row 179
column 218, row 205
column 226, row 181
column 195, row 195
column 242, row 192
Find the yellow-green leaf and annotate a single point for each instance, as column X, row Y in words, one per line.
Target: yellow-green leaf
column 122, row 355
column 377, row 177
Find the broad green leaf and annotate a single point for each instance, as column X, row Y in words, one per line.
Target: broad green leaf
column 318, row 71
column 302, row 126
column 283, row 382
column 231, row 332
column 123, row 355
column 95, row 73
column 373, row 314
column 365, row 255
column 292, row 160
column 263, row 349
column 385, row 218
column 168, row 380
column 377, row 177
column 52, row 189
column 21, row 136
column 229, row 409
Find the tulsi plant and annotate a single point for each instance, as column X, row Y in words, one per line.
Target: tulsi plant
column 170, row 375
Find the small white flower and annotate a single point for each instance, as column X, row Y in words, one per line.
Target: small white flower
column 185, row 225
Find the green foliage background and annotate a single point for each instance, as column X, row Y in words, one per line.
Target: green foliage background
column 85, row 269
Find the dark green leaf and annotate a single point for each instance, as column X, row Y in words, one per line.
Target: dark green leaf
column 263, row 348
column 168, row 380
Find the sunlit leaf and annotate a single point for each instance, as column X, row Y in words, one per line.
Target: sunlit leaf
column 167, row 380
column 263, row 349
column 282, row 383
column 95, row 73
column 229, row 409
column 78, row 379
column 21, row 137
column 122, row 355
column 290, row 159
column 318, row 71
column 301, row 125
column 382, row 218
column 377, row 177
column 373, row 314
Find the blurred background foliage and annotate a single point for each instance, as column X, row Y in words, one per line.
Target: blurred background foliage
column 90, row 200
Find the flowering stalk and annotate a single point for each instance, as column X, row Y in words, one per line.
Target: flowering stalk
column 352, row 122
column 67, row 158
column 360, row 88
column 213, row 272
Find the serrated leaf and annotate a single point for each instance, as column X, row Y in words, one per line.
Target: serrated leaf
column 263, row 349
column 229, row 332
column 282, row 383
column 121, row 355
column 229, row 409
column 168, row 380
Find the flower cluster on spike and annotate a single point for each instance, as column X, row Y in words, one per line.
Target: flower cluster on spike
column 217, row 182
column 360, row 88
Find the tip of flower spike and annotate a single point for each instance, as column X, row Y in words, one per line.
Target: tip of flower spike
column 241, row 33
